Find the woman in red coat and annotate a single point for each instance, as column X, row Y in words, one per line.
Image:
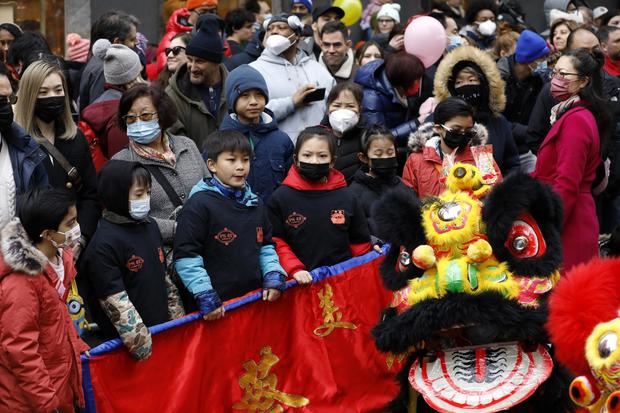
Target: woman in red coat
column 40, row 351
column 571, row 152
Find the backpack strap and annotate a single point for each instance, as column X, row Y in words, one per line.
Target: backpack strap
column 75, row 180
column 165, row 184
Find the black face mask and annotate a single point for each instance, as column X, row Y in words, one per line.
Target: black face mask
column 313, row 171
column 384, row 167
column 455, row 140
column 49, row 109
column 471, row 94
column 6, row 116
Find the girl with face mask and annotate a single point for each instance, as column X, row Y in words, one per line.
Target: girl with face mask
column 343, row 118
column 316, row 219
column 43, row 110
column 481, row 26
column 438, row 145
column 125, row 262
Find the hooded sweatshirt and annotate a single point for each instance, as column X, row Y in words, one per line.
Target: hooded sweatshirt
column 317, row 223
column 284, row 79
column 223, row 242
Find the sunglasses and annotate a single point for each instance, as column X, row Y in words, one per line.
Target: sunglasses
column 175, row 50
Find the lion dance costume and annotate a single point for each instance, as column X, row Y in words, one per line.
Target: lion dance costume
column 472, row 270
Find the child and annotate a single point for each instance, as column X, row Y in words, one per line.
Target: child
column 379, row 173
column 453, row 137
column 223, row 246
column 125, row 261
column 316, row 219
column 40, row 362
column 246, row 96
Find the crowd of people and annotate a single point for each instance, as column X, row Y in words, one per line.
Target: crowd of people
column 146, row 181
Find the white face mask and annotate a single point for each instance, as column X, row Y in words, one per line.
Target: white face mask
column 139, row 208
column 278, row 44
column 72, row 237
column 343, row 120
column 487, row 28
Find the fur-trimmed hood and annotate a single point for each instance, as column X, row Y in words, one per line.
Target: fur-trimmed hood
column 426, row 131
column 18, row 253
column 443, row 76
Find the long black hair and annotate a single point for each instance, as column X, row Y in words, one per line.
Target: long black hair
column 589, row 63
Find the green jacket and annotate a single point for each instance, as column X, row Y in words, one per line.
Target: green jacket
column 194, row 115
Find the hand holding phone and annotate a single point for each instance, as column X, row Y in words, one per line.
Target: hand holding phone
column 315, row 95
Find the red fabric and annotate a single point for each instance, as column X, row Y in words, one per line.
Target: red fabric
column 360, row 249
column 288, row 259
column 94, row 145
column 101, row 117
column 611, row 67
column 567, row 160
column 198, row 366
column 335, row 180
column 423, row 170
column 39, row 363
column 173, row 27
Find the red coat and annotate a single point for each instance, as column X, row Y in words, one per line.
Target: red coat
column 173, row 27
column 101, row 117
column 40, row 359
column 567, row 160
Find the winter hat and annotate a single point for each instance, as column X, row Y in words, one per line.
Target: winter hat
column 557, row 14
column 194, row 4
column 530, row 47
column 207, row 43
column 307, row 3
column 242, row 79
column 598, row 12
column 77, row 48
column 391, row 11
column 121, row 65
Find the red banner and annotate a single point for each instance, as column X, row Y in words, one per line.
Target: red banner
column 310, row 351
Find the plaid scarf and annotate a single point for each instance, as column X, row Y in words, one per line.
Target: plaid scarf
column 149, row 153
column 559, row 109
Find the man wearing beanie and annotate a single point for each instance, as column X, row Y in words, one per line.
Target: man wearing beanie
column 247, row 95
column 524, row 73
column 321, row 15
column 121, row 69
column 196, row 87
column 199, row 7
column 291, row 75
column 303, row 10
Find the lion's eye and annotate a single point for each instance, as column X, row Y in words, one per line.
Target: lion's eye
column 607, row 344
column 525, row 239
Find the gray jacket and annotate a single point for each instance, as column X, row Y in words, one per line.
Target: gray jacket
column 190, row 168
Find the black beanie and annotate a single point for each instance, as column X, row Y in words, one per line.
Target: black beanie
column 207, row 43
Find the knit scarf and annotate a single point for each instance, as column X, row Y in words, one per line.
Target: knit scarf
column 562, row 107
column 149, row 153
column 612, row 66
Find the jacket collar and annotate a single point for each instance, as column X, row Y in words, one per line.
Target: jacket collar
column 180, row 81
column 243, row 196
column 115, row 218
column 346, row 70
column 335, row 180
column 18, row 252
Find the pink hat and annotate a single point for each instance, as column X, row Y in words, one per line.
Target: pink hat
column 77, row 48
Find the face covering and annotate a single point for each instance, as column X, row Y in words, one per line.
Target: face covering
column 487, row 28
column 72, row 237
column 559, row 88
column 313, row 171
column 384, row 167
column 6, row 116
column 144, row 132
column 278, row 44
column 471, row 94
column 455, row 140
column 541, row 67
column 454, row 42
column 139, row 208
column 343, row 120
column 49, row 109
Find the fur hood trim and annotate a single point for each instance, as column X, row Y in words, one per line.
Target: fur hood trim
column 18, row 252
column 426, row 131
column 497, row 98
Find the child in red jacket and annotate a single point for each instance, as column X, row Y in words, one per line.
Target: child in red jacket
column 316, row 219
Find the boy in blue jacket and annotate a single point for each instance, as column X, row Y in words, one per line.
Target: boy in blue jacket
column 246, row 96
column 223, row 247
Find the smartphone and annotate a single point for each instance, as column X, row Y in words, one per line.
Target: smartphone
column 316, row 95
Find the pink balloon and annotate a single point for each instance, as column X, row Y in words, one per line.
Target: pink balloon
column 425, row 38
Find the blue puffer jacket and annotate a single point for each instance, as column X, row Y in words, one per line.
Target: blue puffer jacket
column 26, row 159
column 380, row 104
column 273, row 152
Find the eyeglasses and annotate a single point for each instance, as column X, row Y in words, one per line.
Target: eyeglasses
column 200, row 12
column 175, row 50
column 562, row 75
column 12, row 99
column 458, row 132
column 144, row 117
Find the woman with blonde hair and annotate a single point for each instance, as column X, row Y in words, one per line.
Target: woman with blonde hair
column 43, row 110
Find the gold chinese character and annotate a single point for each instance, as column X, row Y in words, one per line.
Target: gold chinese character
column 261, row 393
column 331, row 314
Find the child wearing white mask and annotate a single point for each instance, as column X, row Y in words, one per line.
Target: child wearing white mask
column 481, row 26
column 343, row 118
column 125, row 261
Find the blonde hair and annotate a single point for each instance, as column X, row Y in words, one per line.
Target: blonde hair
column 29, row 85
